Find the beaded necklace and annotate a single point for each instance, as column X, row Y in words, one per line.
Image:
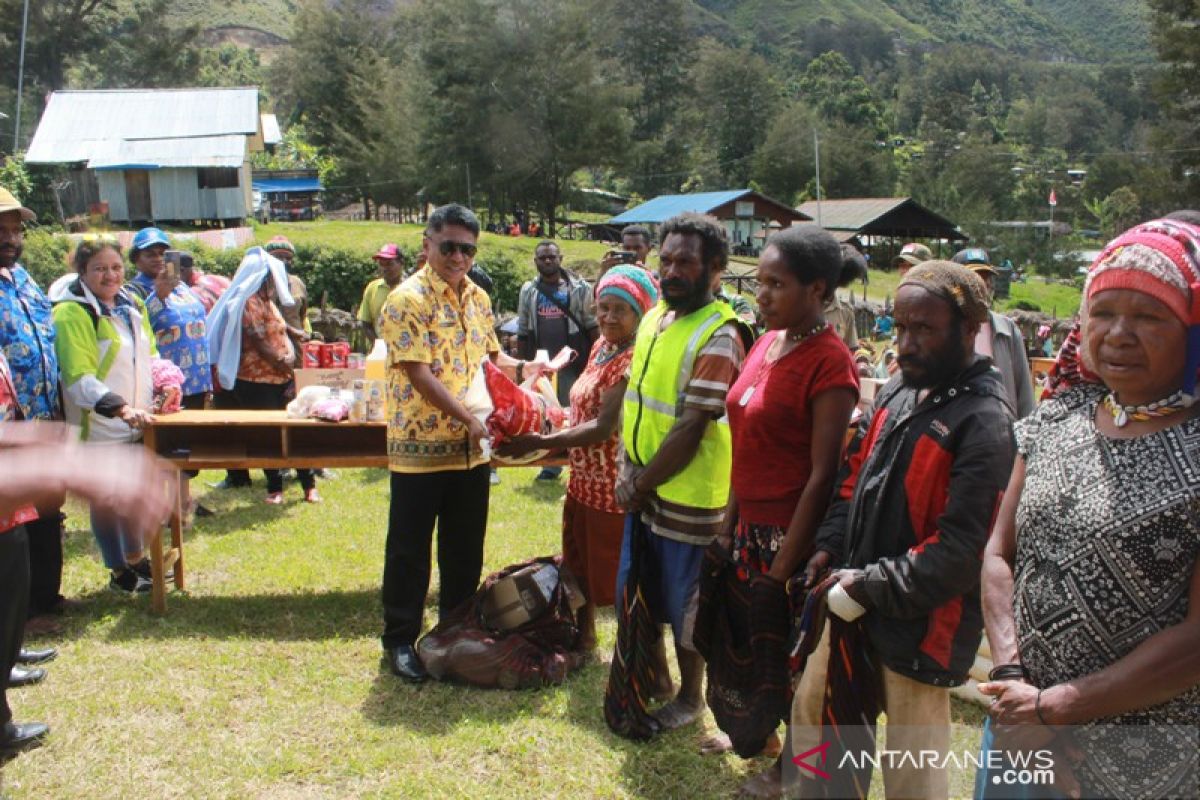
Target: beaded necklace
column 1176, row 401
column 800, row 336
column 765, row 366
column 609, row 351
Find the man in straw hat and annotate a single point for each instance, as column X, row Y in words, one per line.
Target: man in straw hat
column 27, row 341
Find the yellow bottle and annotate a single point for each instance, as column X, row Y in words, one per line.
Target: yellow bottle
column 377, row 362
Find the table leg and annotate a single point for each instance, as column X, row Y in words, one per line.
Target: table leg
column 158, row 588
column 181, row 490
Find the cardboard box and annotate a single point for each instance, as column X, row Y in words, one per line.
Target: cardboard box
column 520, row 597
column 333, row 378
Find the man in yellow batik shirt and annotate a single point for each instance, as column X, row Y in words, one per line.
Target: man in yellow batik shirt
column 439, row 328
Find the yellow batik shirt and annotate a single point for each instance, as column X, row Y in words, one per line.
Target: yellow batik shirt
column 424, row 320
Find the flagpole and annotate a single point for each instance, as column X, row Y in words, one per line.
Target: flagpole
column 1050, row 232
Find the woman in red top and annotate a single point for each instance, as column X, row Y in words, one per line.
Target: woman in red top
column 593, row 523
column 788, row 412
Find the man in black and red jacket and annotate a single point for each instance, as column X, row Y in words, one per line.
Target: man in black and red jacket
column 907, row 527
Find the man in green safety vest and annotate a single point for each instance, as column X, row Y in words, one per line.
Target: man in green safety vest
column 674, row 479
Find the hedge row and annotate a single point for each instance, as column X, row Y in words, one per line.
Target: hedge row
column 340, row 273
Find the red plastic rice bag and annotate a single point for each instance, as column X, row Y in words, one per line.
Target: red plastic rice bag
column 520, row 409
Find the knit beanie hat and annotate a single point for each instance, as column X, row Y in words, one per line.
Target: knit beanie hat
column 632, row 284
column 954, row 283
column 279, row 243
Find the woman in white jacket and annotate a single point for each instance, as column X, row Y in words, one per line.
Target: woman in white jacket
column 105, row 343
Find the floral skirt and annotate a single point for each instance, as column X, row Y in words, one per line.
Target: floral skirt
column 755, row 547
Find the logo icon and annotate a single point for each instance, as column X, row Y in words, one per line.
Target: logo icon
column 823, row 751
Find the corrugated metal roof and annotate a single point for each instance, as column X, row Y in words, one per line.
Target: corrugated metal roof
column 200, row 151
column 851, row 215
column 270, row 129
column 287, row 185
column 77, row 124
column 882, row 216
column 663, row 207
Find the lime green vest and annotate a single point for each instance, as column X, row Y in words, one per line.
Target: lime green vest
column 661, row 367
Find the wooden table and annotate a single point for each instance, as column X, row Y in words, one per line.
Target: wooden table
column 236, row 439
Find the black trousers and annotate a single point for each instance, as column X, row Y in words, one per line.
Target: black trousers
column 267, row 396
column 14, row 605
column 45, row 561
column 225, row 400
column 458, row 502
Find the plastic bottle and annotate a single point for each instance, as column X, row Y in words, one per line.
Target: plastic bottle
column 377, row 361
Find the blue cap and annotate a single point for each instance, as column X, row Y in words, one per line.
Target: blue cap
column 972, row 255
column 148, row 237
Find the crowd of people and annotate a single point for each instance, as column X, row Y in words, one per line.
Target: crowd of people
column 819, row 560
column 692, row 445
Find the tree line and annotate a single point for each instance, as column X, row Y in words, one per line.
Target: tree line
column 514, row 104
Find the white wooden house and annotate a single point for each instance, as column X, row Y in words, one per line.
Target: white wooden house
column 153, row 155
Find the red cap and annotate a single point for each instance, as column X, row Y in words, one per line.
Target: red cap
column 389, row 250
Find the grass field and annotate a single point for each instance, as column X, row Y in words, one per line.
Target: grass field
column 264, row 679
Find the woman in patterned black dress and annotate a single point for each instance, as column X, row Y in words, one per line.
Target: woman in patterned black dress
column 1091, row 579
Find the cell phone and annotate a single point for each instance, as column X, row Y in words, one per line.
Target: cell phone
column 626, row 257
column 171, row 261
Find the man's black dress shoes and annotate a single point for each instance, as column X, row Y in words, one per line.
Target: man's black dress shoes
column 404, row 662
column 17, row 738
column 28, row 656
column 20, row 676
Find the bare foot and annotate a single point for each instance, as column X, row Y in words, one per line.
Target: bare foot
column 678, row 713
column 719, row 743
column 715, row 744
column 773, row 747
column 766, row 784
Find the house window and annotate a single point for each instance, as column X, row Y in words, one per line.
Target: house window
column 217, row 178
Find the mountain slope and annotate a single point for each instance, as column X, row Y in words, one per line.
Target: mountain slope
column 1077, row 30
column 1074, row 30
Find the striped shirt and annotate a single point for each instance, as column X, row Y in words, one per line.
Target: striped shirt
column 716, row 368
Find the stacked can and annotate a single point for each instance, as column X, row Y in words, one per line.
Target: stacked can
column 312, row 355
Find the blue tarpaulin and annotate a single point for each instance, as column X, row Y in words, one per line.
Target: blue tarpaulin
column 288, row 185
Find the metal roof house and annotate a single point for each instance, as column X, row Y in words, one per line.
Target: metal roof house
column 880, row 217
column 153, row 155
column 288, row 194
column 745, row 213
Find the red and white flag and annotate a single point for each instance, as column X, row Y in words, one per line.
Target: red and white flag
column 1053, row 198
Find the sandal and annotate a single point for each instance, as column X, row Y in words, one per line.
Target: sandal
column 274, row 499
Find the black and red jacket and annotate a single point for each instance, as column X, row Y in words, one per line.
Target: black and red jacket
column 915, row 503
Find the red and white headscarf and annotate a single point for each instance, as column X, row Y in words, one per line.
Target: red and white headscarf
column 1160, row 258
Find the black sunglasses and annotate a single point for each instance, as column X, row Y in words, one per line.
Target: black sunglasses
column 447, row 248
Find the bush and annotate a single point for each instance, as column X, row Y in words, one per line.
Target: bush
column 46, row 256
column 218, row 262
column 506, row 279
column 1023, row 305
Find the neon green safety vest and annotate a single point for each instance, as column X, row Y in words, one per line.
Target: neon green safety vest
column 660, row 370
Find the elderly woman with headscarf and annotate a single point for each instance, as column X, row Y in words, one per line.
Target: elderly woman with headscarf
column 1091, row 578
column 249, row 343
column 593, row 523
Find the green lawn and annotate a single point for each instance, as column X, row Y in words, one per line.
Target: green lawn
column 264, row 679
